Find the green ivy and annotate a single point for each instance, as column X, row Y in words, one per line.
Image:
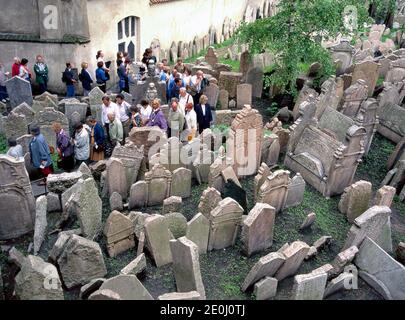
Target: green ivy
column 291, row 35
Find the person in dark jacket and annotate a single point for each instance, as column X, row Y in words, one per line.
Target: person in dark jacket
column 97, row 139
column 68, row 79
column 40, row 153
column 64, row 147
column 85, row 79
column 204, row 114
column 175, row 91
column 101, row 76
column 41, row 74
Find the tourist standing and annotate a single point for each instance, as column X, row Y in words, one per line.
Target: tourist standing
column 179, row 66
column 184, row 99
column 136, row 120
column 15, row 69
column 86, row 79
column 175, row 91
column 3, row 78
column 108, row 107
column 15, row 150
column 157, row 118
column 204, row 114
column 116, row 131
column 145, row 111
column 101, row 76
column 198, row 83
column 123, row 76
column 40, row 153
column 125, row 113
column 25, row 73
column 68, row 79
column 97, row 139
column 191, row 123
column 41, row 74
column 176, row 120
column 81, row 143
column 148, row 56
column 64, row 147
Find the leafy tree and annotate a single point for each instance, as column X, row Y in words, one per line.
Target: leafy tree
column 294, row 36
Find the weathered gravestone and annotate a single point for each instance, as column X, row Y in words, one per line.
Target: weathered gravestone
column 95, row 98
column 131, row 157
column 294, row 256
column 267, row 266
column 14, row 125
column 275, row 189
column 44, row 119
column 18, row 216
column 355, row 200
column 211, row 57
column 229, row 81
column 80, row 108
column 380, row 270
column 186, row 266
column 138, row 195
column 87, row 206
column 26, row 111
column 245, row 141
column 119, row 231
column 38, row 280
column 128, row 287
column 40, row 223
column 116, row 177
column 255, row 77
column 157, row 237
column 81, row 261
column 295, row 192
column 244, row 95
column 181, row 183
column 158, row 180
column 385, row 196
column 257, row 229
column 375, row 224
column 209, row 200
column 224, row 223
column 212, row 93
column 198, row 230
column 19, row 91
column 367, row 71
column 309, row 286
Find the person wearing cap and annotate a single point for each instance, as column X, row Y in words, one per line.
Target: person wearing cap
column 40, row 153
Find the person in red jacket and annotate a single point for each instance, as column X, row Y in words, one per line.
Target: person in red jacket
column 15, row 69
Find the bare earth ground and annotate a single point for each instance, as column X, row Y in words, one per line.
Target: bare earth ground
column 223, row 271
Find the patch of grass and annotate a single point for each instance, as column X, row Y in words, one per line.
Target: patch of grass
column 235, row 64
column 3, row 143
column 373, row 167
column 380, row 81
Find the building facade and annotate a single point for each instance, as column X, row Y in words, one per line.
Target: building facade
column 74, row 30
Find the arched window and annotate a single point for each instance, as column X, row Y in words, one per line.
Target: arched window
column 128, row 36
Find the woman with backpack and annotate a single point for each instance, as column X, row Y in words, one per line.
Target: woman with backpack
column 65, row 149
column 86, row 79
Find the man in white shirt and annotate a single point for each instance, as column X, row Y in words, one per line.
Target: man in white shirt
column 184, row 98
column 145, row 111
column 123, row 108
column 108, row 107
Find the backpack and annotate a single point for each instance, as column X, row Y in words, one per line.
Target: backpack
column 64, row 78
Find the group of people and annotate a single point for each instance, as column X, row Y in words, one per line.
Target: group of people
column 20, row 68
